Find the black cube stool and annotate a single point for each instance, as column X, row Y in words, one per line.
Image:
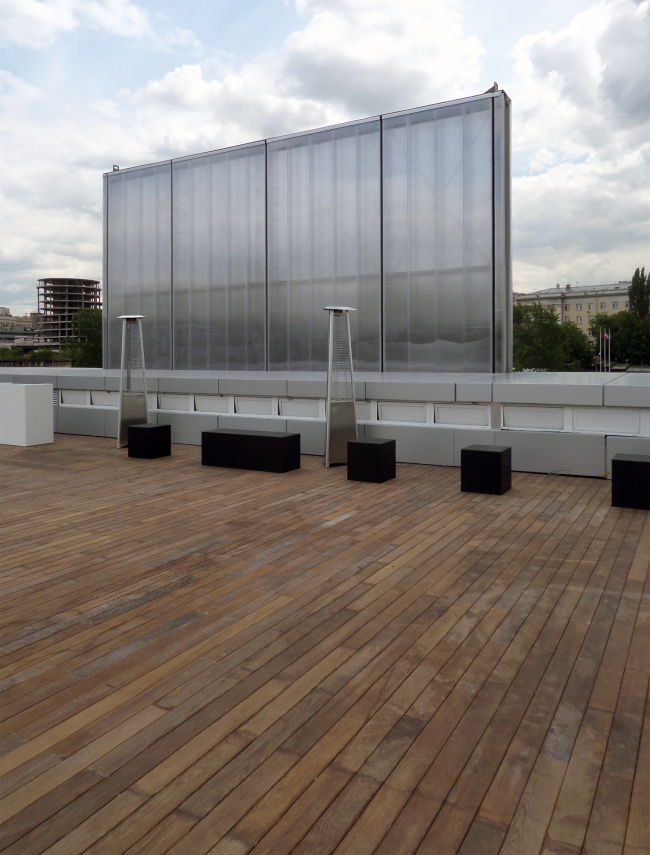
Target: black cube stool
column 265, row 451
column 149, row 441
column 486, row 469
column 631, row 481
column 371, row 460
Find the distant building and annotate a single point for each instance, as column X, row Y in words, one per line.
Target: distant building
column 59, row 300
column 580, row 304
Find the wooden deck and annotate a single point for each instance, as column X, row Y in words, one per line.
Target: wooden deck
column 200, row 660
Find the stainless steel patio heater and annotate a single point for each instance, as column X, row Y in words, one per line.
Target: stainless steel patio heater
column 341, row 415
column 133, row 384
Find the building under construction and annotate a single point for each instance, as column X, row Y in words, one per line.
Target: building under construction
column 58, row 302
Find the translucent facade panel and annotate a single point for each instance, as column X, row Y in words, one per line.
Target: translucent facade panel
column 437, row 233
column 324, row 244
column 502, row 254
column 139, row 254
column 220, row 260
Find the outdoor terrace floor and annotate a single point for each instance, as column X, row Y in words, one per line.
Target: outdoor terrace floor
column 208, row 660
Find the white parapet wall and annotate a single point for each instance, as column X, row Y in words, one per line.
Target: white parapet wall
column 568, row 423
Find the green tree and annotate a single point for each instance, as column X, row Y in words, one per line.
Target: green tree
column 11, row 353
column 639, row 294
column 542, row 342
column 45, row 354
column 85, row 345
column 630, row 336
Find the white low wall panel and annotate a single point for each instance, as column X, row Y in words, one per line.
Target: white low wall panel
column 312, row 435
column 103, row 399
column 363, row 410
column 629, row 390
column 111, row 421
column 607, row 420
column 207, row 386
column 252, row 423
column 91, row 382
column 625, row 445
column 187, row 427
column 390, row 411
column 182, row 403
column 561, row 453
column 255, row 406
column 26, row 414
column 459, row 414
column 585, row 390
column 76, row 397
column 264, row 386
column 533, row 418
column 306, row 408
column 33, row 376
column 212, row 403
column 417, row 443
column 464, row 437
column 83, row 421
column 112, row 382
column 409, row 391
column 474, row 392
column 309, row 388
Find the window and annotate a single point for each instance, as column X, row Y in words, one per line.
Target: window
column 578, row 307
column 590, row 318
column 590, row 334
column 566, row 308
column 603, row 305
column 627, row 305
column 590, row 306
column 578, row 319
column 614, row 305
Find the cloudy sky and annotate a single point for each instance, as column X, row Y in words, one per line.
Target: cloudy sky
column 85, row 84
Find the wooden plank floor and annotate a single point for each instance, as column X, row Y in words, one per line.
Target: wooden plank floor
column 201, row 660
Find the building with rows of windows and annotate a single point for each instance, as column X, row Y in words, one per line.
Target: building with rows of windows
column 580, row 304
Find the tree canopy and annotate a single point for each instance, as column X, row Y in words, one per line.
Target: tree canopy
column 639, row 294
column 541, row 341
column 85, row 345
column 630, row 336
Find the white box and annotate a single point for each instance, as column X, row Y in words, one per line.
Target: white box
column 26, row 413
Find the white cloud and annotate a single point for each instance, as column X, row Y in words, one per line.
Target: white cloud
column 580, row 123
column 582, row 126
column 38, row 23
column 350, row 59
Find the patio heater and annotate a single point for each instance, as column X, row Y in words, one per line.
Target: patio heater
column 133, row 386
column 341, row 416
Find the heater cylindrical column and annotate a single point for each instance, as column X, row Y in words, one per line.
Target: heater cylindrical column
column 133, row 384
column 341, row 415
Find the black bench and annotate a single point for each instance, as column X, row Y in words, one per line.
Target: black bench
column 485, row 469
column 631, row 481
column 371, row 460
column 150, row 441
column 265, row 451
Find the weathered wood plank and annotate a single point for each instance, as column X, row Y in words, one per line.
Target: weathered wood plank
column 298, row 664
